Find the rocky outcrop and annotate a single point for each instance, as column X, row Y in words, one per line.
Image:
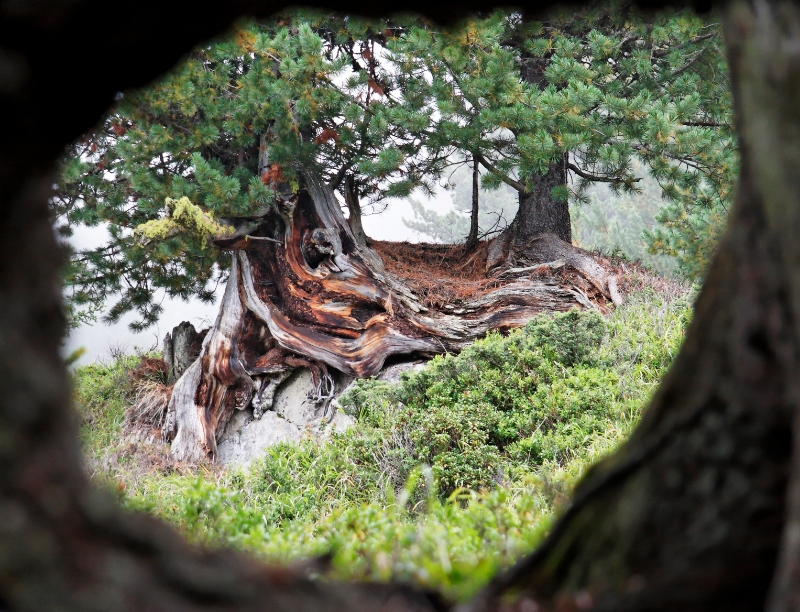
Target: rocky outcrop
column 294, row 415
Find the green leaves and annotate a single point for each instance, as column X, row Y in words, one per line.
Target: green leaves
column 521, row 417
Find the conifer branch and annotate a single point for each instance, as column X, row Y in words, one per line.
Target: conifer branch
column 596, row 178
column 493, row 169
column 688, row 64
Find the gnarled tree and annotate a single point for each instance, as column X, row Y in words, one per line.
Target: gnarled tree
column 248, row 143
column 303, row 292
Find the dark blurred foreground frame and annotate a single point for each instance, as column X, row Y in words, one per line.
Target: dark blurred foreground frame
column 700, row 510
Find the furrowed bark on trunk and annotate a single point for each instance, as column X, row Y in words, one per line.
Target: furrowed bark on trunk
column 303, row 292
column 540, row 212
column 764, row 42
column 354, row 209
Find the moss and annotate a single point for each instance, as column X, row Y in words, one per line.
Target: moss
column 183, row 216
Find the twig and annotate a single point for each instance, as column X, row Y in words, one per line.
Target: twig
column 249, row 237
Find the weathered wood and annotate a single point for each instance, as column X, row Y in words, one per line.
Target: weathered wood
column 302, row 289
column 180, row 349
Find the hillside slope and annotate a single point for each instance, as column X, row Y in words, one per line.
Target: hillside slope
column 448, row 474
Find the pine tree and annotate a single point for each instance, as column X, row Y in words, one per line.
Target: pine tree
column 231, row 164
column 380, row 109
column 550, row 108
column 228, row 130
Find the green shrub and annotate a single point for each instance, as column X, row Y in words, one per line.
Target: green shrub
column 448, row 475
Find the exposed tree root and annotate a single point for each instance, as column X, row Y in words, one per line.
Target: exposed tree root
column 303, row 292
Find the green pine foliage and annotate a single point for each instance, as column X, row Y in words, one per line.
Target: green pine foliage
column 396, row 104
column 446, row 476
column 300, row 91
column 605, row 94
column 606, row 88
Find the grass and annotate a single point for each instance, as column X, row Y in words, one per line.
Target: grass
column 101, row 393
column 446, row 477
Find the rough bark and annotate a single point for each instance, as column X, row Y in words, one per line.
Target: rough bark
column 472, row 238
column 540, row 212
column 180, row 349
column 764, row 42
column 698, row 510
column 354, row 210
column 302, row 291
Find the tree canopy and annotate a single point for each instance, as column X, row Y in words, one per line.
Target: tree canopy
column 383, row 108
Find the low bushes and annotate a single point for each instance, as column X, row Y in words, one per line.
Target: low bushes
column 447, row 475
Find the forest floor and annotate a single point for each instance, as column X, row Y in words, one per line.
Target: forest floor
column 443, row 274
column 447, row 475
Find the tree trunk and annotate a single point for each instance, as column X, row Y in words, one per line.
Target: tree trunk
column 472, row 238
column 700, row 509
column 694, row 503
column 540, row 212
column 354, row 209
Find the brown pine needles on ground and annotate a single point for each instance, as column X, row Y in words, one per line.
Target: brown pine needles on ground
column 439, row 273
column 444, row 274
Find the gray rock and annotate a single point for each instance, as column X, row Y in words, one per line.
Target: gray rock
column 292, row 399
column 250, row 439
column 392, row 373
column 293, row 415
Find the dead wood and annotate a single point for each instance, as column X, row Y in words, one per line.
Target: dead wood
column 304, row 291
